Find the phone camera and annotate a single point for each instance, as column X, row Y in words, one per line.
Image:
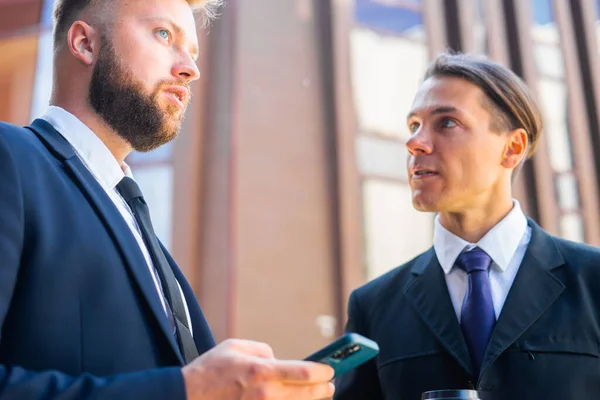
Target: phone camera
column 345, row 352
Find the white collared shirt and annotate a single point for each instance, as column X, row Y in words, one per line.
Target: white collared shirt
column 106, row 169
column 505, row 243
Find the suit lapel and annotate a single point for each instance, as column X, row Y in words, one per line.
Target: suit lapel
column 535, row 288
column 113, row 221
column 429, row 295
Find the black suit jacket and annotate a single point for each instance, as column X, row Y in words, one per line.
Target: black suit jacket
column 80, row 316
column 546, row 343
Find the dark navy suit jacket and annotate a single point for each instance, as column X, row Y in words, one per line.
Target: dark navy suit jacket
column 80, row 316
column 545, row 345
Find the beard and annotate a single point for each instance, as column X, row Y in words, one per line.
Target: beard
column 121, row 101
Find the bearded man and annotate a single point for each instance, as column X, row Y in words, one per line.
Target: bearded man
column 92, row 306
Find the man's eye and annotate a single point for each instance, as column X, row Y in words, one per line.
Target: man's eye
column 448, row 123
column 413, row 127
column 164, row 34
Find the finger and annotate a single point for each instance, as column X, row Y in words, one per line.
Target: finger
column 300, row 372
column 250, row 348
column 309, row 392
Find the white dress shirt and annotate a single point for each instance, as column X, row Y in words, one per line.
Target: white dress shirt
column 505, row 243
column 106, row 169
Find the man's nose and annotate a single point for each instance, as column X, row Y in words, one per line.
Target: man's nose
column 186, row 69
column 419, row 142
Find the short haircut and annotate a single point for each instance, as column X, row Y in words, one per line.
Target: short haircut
column 506, row 97
column 67, row 11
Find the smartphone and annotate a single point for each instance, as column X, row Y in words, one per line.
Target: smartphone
column 346, row 352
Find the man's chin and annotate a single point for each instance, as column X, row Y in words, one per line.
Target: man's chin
column 171, row 124
column 169, row 136
column 148, row 146
column 424, row 203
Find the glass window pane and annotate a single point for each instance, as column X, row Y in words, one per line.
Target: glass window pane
column 156, row 183
column 571, row 227
column 394, row 231
column 479, row 28
column 553, row 104
column 389, row 56
column 393, row 16
column 568, row 195
column 546, row 38
column 382, row 158
column 597, row 7
column 548, row 60
column 384, row 82
column 542, row 11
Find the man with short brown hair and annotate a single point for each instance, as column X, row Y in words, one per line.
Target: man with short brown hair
column 92, row 306
column 497, row 304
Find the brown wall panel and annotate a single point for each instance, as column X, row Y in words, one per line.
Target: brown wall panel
column 215, row 290
column 495, row 23
column 188, row 166
column 351, row 242
column 17, row 71
column 433, row 17
column 19, row 16
column 282, row 233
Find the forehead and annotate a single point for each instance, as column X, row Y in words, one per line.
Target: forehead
column 145, row 11
column 448, row 91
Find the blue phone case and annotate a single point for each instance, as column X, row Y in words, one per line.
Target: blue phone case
column 346, row 353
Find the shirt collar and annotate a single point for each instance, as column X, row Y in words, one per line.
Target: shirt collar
column 90, row 149
column 500, row 243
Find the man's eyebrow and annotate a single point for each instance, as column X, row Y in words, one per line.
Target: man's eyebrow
column 437, row 110
column 178, row 30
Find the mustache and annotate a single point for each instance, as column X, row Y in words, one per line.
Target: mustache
column 174, row 82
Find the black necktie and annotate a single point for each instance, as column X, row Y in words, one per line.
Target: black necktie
column 133, row 196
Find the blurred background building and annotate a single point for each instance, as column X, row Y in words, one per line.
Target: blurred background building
column 287, row 187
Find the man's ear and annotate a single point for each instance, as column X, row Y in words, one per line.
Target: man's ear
column 516, row 148
column 83, row 42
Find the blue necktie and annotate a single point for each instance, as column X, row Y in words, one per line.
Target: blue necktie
column 477, row 317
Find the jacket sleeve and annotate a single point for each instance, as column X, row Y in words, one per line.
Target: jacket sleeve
column 20, row 384
column 159, row 384
column 362, row 382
